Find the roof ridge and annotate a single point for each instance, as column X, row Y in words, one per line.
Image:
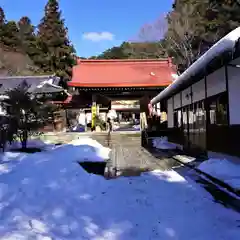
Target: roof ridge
column 26, row 77
column 124, row 60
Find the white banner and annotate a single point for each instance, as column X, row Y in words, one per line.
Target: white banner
column 125, row 106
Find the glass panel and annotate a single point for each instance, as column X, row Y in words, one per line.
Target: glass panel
column 175, row 115
column 179, row 118
column 221, row 114
column 195, row 121
column 190, row 124
column 212, row 112
column 202, row 125
column 218, row 110
column 185, row 125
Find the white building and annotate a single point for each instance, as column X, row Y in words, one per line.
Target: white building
column 203, row 104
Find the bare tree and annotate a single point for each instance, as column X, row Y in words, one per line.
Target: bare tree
column 177, row 36
column 153, row 33
column 186, row 42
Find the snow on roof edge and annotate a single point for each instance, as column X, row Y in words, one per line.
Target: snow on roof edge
column 27, row 77
column 227, row 43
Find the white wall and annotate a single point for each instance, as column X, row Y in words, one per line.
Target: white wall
column 234, row 93
column 216, row 82
column 185, row 100
column 170, row 113
column 177, row 101
column 198, row 90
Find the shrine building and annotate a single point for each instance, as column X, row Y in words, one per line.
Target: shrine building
column 126, row 86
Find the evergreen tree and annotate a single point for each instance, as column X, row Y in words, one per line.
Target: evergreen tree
column 56, row 49
column 2, row 23
column 10, row 36
column 218, row 17
column 27, row 37
column 134, row 50
column 27, row 113
column 194, row 26
column 2, row 17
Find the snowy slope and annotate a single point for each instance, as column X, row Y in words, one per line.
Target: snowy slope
column 48, row 196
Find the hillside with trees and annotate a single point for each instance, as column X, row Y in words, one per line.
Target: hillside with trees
column 133, row 50
column 44, row 49
column 184, row 34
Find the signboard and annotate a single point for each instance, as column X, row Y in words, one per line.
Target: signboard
column 125, row 104
column 94, row 114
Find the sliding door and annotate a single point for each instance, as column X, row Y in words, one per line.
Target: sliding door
column 185, row 127
column 197, row 127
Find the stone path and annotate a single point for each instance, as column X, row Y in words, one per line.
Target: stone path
column 128, row 158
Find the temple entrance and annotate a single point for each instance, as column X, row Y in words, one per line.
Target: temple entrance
column 128, row 117
column 127, row 121
column 122, row 95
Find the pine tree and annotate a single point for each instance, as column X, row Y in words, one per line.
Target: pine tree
column 8, row 32
column 2, row 17
column 57, row 51
column 194, row 26
column 10, row 36
column 27, row 37
column 221, row 16
column 2, row 23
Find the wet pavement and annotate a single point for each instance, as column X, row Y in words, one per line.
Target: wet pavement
column 128, row 158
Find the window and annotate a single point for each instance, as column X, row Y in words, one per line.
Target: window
column 218, row 110
column 177, row 119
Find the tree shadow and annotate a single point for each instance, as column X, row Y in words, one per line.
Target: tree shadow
column 49, row 195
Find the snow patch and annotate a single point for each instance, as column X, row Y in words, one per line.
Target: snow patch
column 32, row 143
column 91, row 149
column 162, row 143
column 223, row 170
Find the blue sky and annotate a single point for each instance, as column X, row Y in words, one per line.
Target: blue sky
column 94, row 25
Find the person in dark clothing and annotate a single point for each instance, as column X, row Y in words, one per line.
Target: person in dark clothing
column 109, row 124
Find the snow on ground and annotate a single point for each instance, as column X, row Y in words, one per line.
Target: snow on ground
column 91, row 149
column 47, row 195
column 224, row 170
column 32, row 143
column 162, row 143
column 137, row 127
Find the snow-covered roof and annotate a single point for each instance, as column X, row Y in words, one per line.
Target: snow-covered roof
column 10, row 82
column 47, row 87
column 226, row 44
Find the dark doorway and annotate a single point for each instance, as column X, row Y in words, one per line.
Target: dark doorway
column 194, row 128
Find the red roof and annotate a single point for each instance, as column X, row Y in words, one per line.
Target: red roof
column 122, row 73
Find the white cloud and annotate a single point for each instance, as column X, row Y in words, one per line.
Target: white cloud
column 98, row 36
